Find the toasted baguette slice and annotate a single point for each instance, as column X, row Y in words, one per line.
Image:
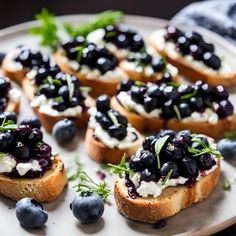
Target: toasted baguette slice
column 170, row 202
column 49, row 121
column 44, row 189
column 99, row 152
column 187, row 68
column 10, row 71
column 143, row 124
column 98, row 87
column 144, row 78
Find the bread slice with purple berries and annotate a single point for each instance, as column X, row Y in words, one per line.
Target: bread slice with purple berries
column 170, row 202
column 43, row 189
column 211, row 69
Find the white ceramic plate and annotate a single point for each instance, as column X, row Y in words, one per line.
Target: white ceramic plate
column 210, row 216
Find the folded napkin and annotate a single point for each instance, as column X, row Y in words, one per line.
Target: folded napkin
column 218, row 16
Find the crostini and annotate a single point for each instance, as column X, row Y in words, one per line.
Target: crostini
column 171, row 171
column 56, row 95
column 18, row 62
column 110, row 135
column 120, row 40
column 193, row 56
column 9, row 96
column 198, row 107
column 149, row 68
column 95, row 66
column 27, row 166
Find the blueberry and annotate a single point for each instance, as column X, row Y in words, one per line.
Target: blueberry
column 172, row 33
column 167, row 167
column 32, row 121
column 103, row 103
column 196, row 52
column 48, row 90
column 137, row 43
column 227, row 148
column 166, row 78
column 189, row 168
column 211, row 60
column 30, row 213
column 22, row 132
column 183, row 138
column 74, row 102
column 171, row 93
column 224, row 109
column 206, row 47
column 196, row 103
column 64, row 131
column 135, row 163
column 105, row 122
column 87, row 207
column 183, row 44
column 154, row 91
column 165, row 132
column 64, row 92
column 185, row 89
column 205, row 90
column 185, row 109
column 137, row 94
column 3, row 104
column 122, row 41
column 4, row 86
column 35, row 136
column 197, row 145
column 147, row 142
column 59, row 106
column 158, row 64
column 9, row 115
column 126, row 85
column 54, row 70
column 167, row 110
column 43, row 151
column 150, row 104
column 147, row 159
column 145, row 59
column 22, row 151
column 219, row 93
column 193, row 37
column 120, row 118
column 41, row 75
column 205, row 162
column 7, row 141
column 118, row 132
column 148, row 176
column 104, row 65
column 172, row 152
column 2, row 56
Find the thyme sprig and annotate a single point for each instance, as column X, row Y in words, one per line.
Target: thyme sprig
column 8, row 125
column 177, row 112
column 113, row 118
column 167, row 177
column 122, row 168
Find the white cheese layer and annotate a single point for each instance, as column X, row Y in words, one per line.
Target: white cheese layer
column 7, row 164
column 170, row 49
column 14, row 94
column 125, row 99
column 23, row 168
column 10, row 57
column 105, row 138
column 145, row 189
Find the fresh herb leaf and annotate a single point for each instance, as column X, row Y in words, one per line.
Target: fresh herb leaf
column 79, row 50
column 8, row 125
column 173, row 84
column 70, row 85
column 230, row 134
column 99, row 21
column 85, row 89
column 58, row 99
column 167, row 177
column 158, row 146
column 226, row 185
column 122, row 168
column 139, row 84
column 3, row 154
column 47, row 30
column 177, row 112
column 188, row 96
column 113, row 118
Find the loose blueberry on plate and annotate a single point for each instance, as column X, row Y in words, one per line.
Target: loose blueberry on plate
column 103, row 103
column 32, row 121
column 30, row 213
column 227, row 148
column 87, row 207
column 64, row 131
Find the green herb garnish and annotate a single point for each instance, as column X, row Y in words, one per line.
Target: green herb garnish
column 206, row 149
column 70, row 85
column 226, row 185
column 173, row 84
column 230, row 134
column 188, row 96
column 167, row 177
column 8, row 125
column 113, row 118
column 139, row 84
column 85, row 89
column 158, row 146
column 3, row 154
column 79, row 50
column 177, row 111
column 47, row 30
column 58, row 99
column 122, row 168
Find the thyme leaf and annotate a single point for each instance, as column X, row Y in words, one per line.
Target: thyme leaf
column 158, row 146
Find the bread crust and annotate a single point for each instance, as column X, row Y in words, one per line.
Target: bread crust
column 170, row 202
column 9, row 71
column 142, row 77
column 44, row 189
column 100, row 153
column 192, row 73
column 98, row 87
column 13, row 106
column 143, row 124
column 49, row 121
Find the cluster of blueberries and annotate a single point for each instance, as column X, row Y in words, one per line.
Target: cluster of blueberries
column 25, row 142
column 124, row 37
column 192, row 43
column 174, row 156
column 5, row 86
column 158, row 64
column 118, row 131
column 65, row 89
column 187, row 98
column 89, row 54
